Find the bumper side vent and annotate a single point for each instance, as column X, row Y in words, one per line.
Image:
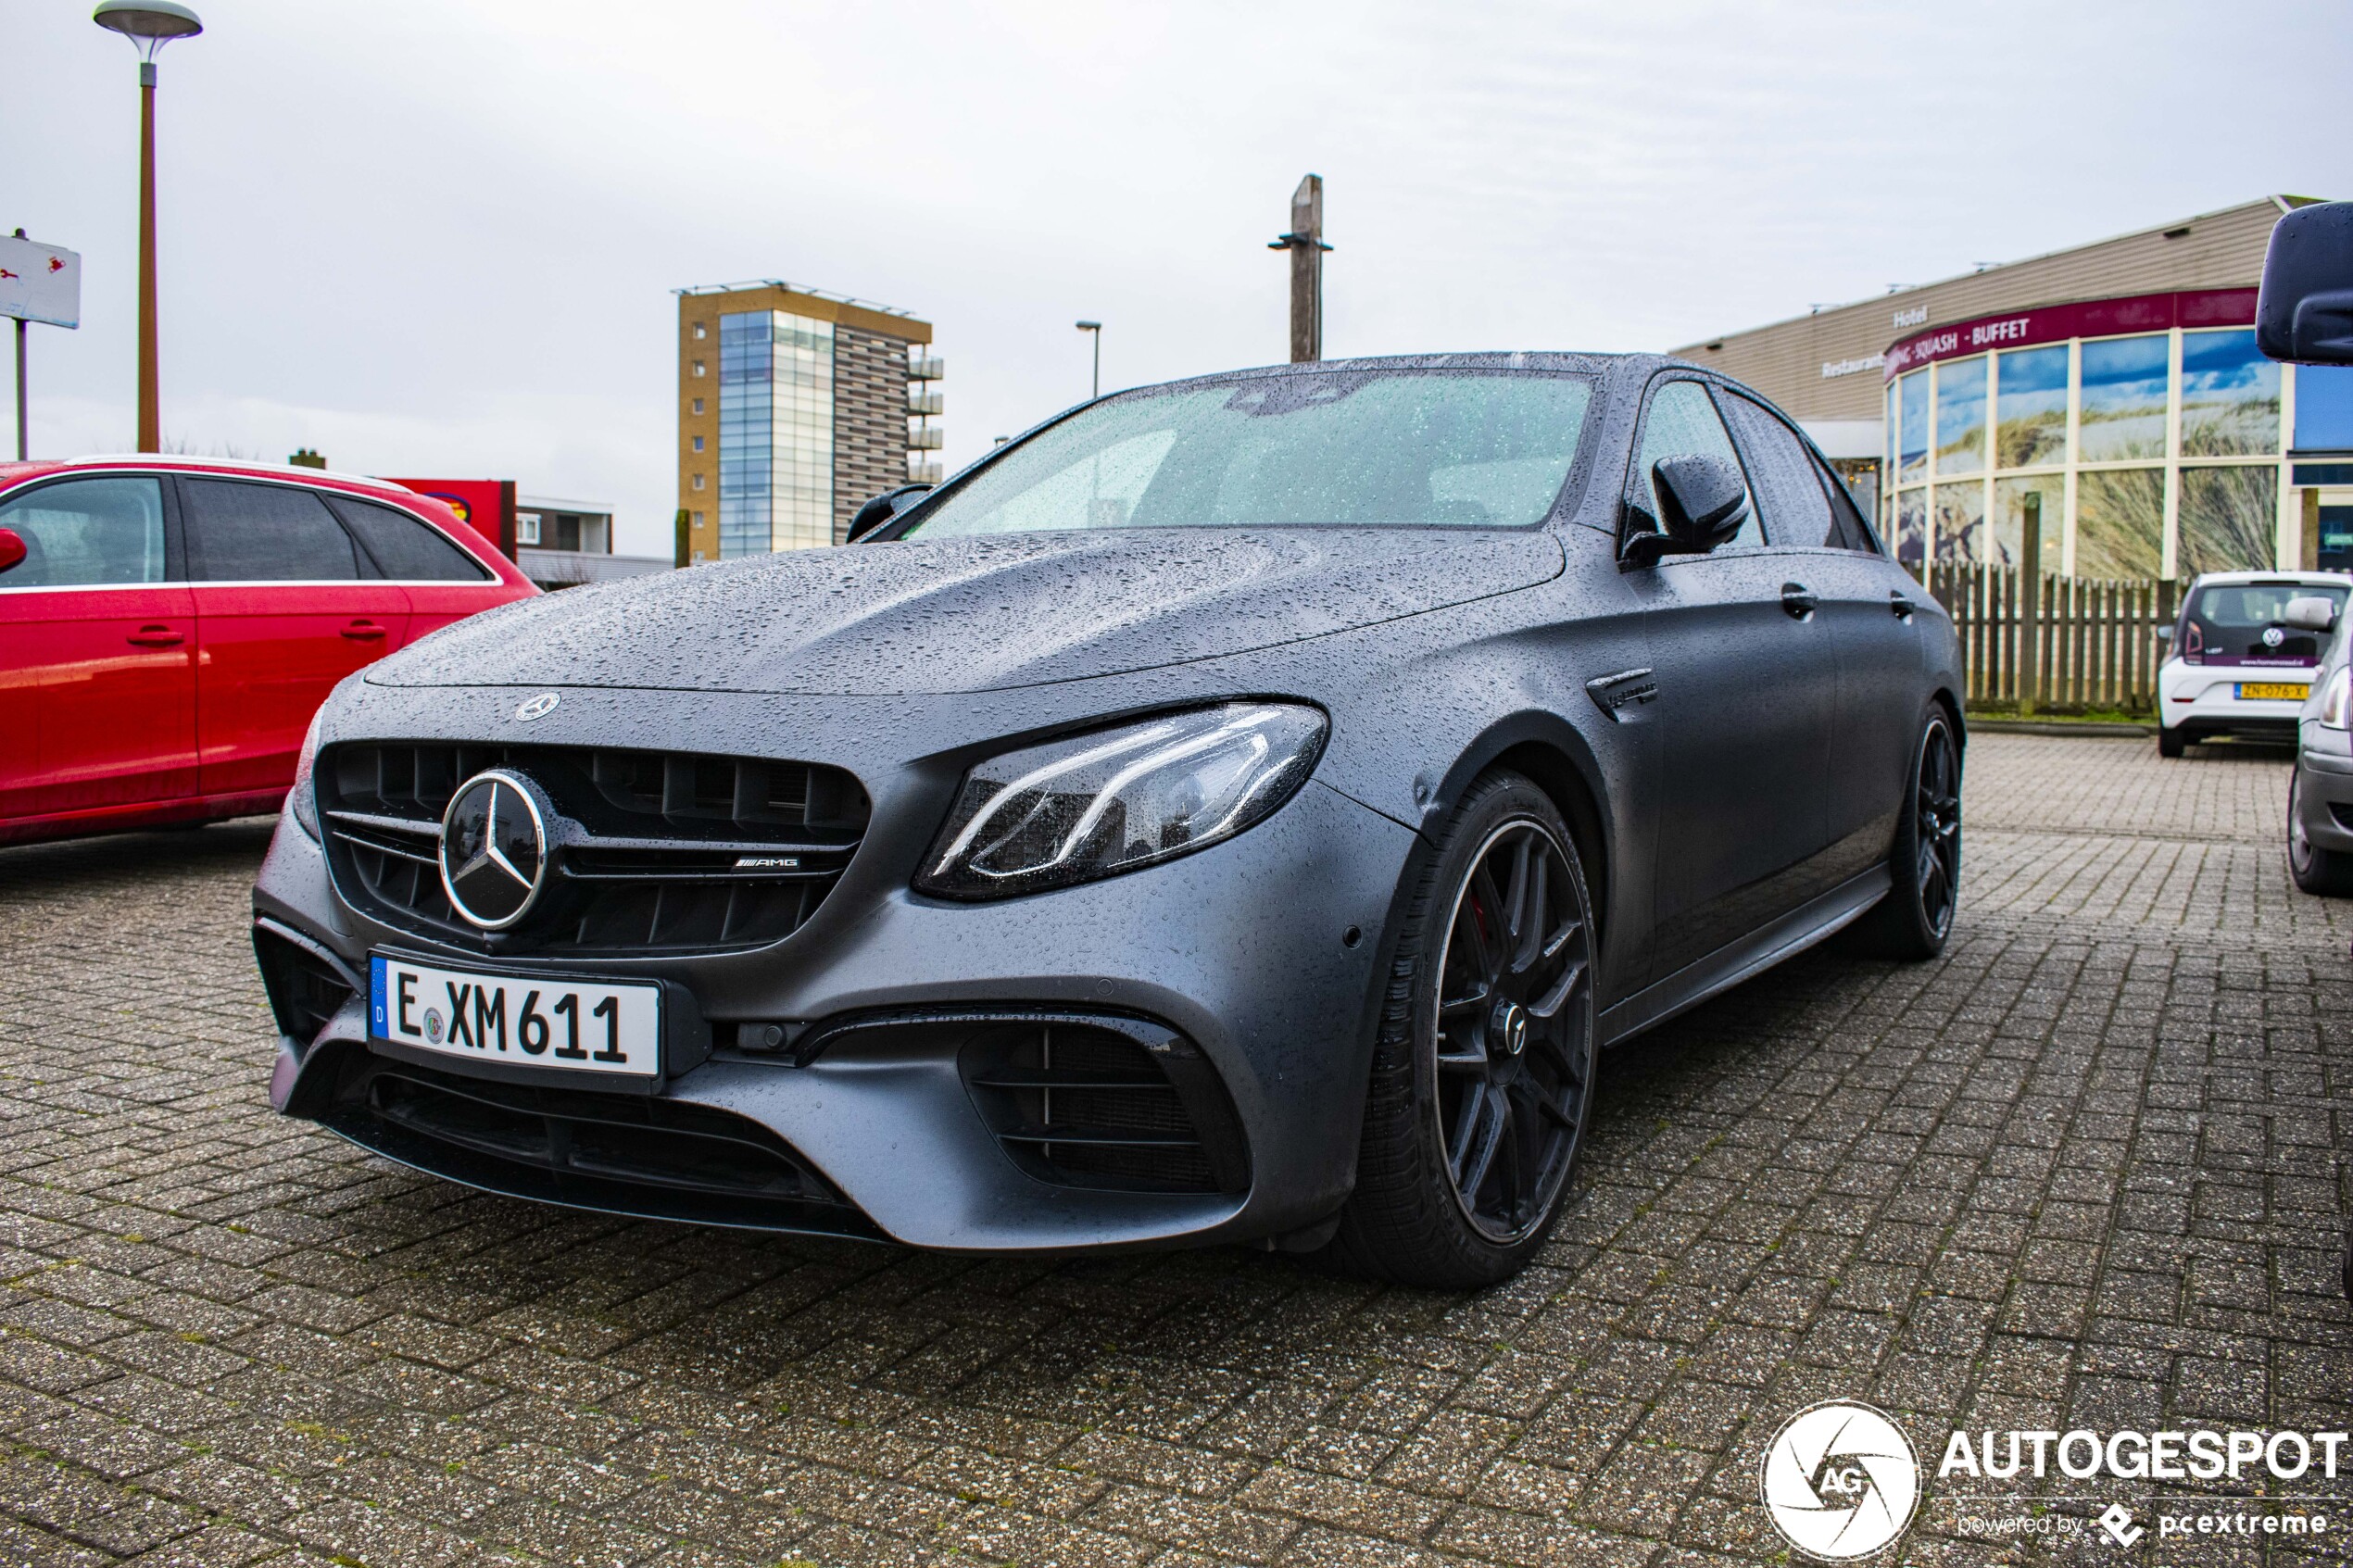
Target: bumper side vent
column 1107, row 1103
column 305, row 990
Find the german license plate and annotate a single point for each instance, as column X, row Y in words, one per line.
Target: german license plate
column 539, row 1022
column 2272, row 691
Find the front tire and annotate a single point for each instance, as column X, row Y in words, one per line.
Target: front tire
column 1483, row 1072
column 2327, row 872
column 1915, row 918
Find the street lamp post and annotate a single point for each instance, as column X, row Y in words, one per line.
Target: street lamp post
column 1095, row 387
column 149, row 24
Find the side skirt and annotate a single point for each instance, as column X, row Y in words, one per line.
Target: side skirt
column 1752, row 955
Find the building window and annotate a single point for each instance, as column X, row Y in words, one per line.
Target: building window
column 699, row 519
column 697, row 442
column 697, row 481
column 701, row 331
column 776, row 432
column 2229, row 397
column 699, row 370
column 698, row 405
column 2031, row 412
column 2123, row 399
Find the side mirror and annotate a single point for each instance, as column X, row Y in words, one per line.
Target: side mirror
column 12, row 549
column 2165, row 634
column 1705, row 499
column 2304, row 311
column 883, row 508
column 2310, row 613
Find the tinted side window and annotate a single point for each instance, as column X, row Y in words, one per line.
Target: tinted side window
column 1782, row 472
column 1682, row 422
column 1851, row 532
column 240, row 533
column 86, row 531
column 405, row 548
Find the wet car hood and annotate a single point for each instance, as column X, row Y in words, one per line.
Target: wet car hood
column 968, row 614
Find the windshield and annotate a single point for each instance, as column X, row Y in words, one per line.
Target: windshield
column 2245, row 623
column 1358, row 449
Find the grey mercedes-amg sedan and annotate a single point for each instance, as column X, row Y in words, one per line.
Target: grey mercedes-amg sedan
column 1238, row 810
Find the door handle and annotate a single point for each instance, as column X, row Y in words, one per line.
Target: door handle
column 1900, row 604
column 1798, row 599
column 156, row 637
column 363, row 631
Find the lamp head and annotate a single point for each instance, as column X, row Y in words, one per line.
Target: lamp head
column 149, row 24
column 1090, row 326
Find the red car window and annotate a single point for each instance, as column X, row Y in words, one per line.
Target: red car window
column 88, row 532
column 240, row 533
column 404, row 548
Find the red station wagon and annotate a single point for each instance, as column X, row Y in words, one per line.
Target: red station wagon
column 169, row 625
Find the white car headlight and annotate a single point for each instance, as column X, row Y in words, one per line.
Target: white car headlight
column 2336, row 697
column 1117, row 800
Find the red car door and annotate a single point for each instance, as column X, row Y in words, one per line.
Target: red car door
column 97, row 644
column 286, row 607
column 443, row 583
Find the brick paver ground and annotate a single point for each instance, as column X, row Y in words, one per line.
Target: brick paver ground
column 2082, row 1171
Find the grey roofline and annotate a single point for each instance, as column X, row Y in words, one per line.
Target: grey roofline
column 2285, row 204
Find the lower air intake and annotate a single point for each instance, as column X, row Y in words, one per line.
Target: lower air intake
column 1107, row 1103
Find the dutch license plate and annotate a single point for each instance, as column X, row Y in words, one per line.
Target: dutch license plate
column 538, row 1022
column 2272, row 691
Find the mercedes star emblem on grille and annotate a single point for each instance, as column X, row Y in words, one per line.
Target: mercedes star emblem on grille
column 536, row 707
column 494, row 848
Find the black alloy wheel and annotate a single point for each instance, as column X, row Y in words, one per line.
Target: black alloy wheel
column 1513, row 1060
column 1915, row 918
column 1484, row 1075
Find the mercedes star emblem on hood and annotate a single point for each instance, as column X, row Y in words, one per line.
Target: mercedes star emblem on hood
column 494, row 848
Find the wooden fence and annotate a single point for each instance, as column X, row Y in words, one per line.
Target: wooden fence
column 2054, row 643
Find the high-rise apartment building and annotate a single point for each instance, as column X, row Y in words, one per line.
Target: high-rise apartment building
column 794, row 410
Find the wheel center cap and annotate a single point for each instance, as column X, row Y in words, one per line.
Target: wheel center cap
column 1508, row 1027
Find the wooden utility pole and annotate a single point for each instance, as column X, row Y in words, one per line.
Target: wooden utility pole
column 1306, row 243
column 2030, row 607
column 150, row 400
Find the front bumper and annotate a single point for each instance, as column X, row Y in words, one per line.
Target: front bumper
column 1241, row 953
column 2325, row 790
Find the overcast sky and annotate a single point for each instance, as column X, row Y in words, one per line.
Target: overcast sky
column 438, row 238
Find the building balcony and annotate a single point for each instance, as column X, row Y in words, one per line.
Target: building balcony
column 926, row 370
column 928, row 439
column 926, row 473
column 933, row 403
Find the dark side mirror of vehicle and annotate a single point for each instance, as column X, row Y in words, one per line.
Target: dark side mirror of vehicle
column 2310, row 612
column 884, row 507
column 12, row 549
column 2304, row 311
column 1704, row 501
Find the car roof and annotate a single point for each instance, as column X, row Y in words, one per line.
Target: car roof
column 2311, row 578
column 249, row 467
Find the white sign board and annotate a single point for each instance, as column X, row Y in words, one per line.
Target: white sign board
column 40, row 282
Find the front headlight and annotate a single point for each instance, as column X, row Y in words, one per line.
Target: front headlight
column 302, row 800
column 2336, row 698
column 1116, row 801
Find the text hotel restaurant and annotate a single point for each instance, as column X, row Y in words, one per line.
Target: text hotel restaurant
column 793, row 411
column 2114, row 389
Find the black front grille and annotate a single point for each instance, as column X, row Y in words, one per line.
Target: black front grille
column 1105, row 1103
column 630, row 1153
column 658, row 852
